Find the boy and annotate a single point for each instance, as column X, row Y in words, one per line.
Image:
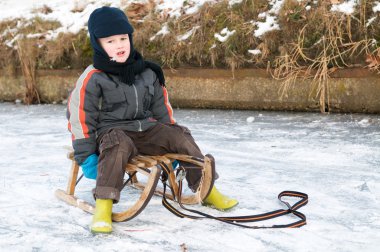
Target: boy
column 119, row 108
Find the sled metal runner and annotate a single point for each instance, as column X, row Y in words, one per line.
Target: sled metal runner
column 150, row 167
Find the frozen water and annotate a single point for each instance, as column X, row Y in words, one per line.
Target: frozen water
column 334, row 158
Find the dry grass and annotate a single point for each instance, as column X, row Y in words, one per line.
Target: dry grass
column 27, row 55
column 201, row 48
column 373, row 60
column 68, row 51
column 341, row 43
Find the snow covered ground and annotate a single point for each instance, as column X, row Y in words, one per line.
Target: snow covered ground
column 335, row 159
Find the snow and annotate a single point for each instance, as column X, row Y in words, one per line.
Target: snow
column 269, row 24
column 195, row 5
column 262, row 15
column 233, row 2
column 164, row 30
column 224, row 34
column 73, row 21
column 276, row 6
column 175, row 8
column 369, row 22
column 61, row 10
column 255, row 51
column 250, row 119
column 376, row 7
column 187, row 34
column 347, row 7
column 334, row 158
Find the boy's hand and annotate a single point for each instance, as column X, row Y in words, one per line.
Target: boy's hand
column 90, row 166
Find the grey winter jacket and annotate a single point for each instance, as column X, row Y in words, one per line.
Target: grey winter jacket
column 100, row 101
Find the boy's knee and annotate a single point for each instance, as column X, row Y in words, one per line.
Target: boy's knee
column 116, row 138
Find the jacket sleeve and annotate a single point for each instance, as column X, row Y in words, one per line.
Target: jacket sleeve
column 160, row 105
column 82, row 115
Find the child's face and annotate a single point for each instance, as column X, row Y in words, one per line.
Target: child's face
column 117, row 47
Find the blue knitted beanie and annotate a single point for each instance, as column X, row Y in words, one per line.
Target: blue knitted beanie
column 107, row 21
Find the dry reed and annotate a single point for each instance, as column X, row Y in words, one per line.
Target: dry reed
column 27, row 57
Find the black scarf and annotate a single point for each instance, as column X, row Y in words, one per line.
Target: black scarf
column 135, row 64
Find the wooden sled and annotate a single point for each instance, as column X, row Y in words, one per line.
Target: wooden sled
column 149, row 166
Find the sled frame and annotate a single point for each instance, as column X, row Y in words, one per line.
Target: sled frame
column 149, row 166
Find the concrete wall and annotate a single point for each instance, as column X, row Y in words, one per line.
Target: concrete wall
column 354, row 90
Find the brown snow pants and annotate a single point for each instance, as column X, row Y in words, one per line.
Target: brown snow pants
column 117, row 147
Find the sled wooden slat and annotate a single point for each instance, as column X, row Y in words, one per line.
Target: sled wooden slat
column 144, row 199
column 74, row 201
column 148, row 161
column 72, row 178
column 163, row 159
column 70, row 155
column 135, row 162
column 173, row 182
column 184, row 158
column 145, row 171
column 130, row 168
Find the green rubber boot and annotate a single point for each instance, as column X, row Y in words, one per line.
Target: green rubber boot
column 102, row 221
column 219, row 201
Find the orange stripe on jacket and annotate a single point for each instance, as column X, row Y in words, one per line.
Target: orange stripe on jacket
column 78, row 111
column 82, row 114
column 68, row 123
column 168, row 106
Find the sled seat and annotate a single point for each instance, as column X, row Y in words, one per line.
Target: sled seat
column 150, row 167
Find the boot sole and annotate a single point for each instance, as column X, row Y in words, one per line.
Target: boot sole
column 220, row 209
column 101, row 232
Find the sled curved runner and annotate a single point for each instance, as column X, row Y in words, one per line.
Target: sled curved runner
column 149, row 166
